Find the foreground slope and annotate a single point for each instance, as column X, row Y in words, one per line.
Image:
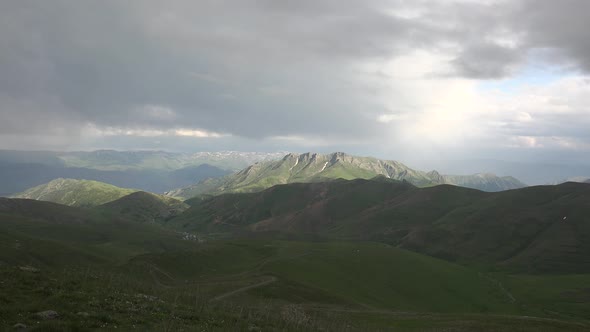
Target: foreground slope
column 49, row 234
column 103, row 271
column 83, row 193
column 544, row 228
column 313, row 167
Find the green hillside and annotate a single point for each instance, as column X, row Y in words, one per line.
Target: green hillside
column 313, row 167
column 83, row 193
column 102, row 270
column 49, row 234
column 522, row 229
column 145, row 207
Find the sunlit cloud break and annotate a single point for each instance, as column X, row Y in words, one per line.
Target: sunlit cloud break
column 94, row 131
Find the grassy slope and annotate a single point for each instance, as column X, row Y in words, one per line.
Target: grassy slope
column 145, row 207
column 356, row 275
column 365, row 285
column 521, row 229
column 129, row 274
column 76, row 192
column 34, row 231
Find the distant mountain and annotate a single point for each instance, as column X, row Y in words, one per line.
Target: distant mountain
column 531, row 172
column 534, row 229
column 313, row 167
column 145, row 207
column 153, row 171
column 15, row 178
column 579, row 179
column 484, row 181
column 81, row 193
column 111, row 160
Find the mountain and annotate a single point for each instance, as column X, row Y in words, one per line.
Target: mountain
column 543, row 228
column 533, row 172
column 153, row 171
column 579, row 179
column 313, row 167
column 82, row 193
column 15, row 178
column 112, row 160
column 145, row 207
column 484, row 182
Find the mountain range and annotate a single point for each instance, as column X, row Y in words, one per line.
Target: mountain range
column 154, row 171
column 313, row 167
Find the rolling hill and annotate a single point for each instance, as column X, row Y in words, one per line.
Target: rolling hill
column 543, row 228
column 145, row 207
column 82, row 193
column 313, row 167
column 17, row 177
column 101, row 269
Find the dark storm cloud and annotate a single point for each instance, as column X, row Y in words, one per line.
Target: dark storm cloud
column 560, row 26
column 485, row 61
column 249, row 68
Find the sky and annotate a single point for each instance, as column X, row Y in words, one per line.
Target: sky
column 411, row 80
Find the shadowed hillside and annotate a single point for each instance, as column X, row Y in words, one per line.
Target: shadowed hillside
column 101, row 268
column 145, row 207
column 544, row 228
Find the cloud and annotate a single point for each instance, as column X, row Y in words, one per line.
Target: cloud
column 298, row 74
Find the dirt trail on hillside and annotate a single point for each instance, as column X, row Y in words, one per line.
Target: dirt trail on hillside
column 270, row 280
column 501, row 286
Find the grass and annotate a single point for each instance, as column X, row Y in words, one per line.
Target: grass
column 558, row 296
column 132, row 275
column 334, row 286
column 82, row 193
column 523, row 230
